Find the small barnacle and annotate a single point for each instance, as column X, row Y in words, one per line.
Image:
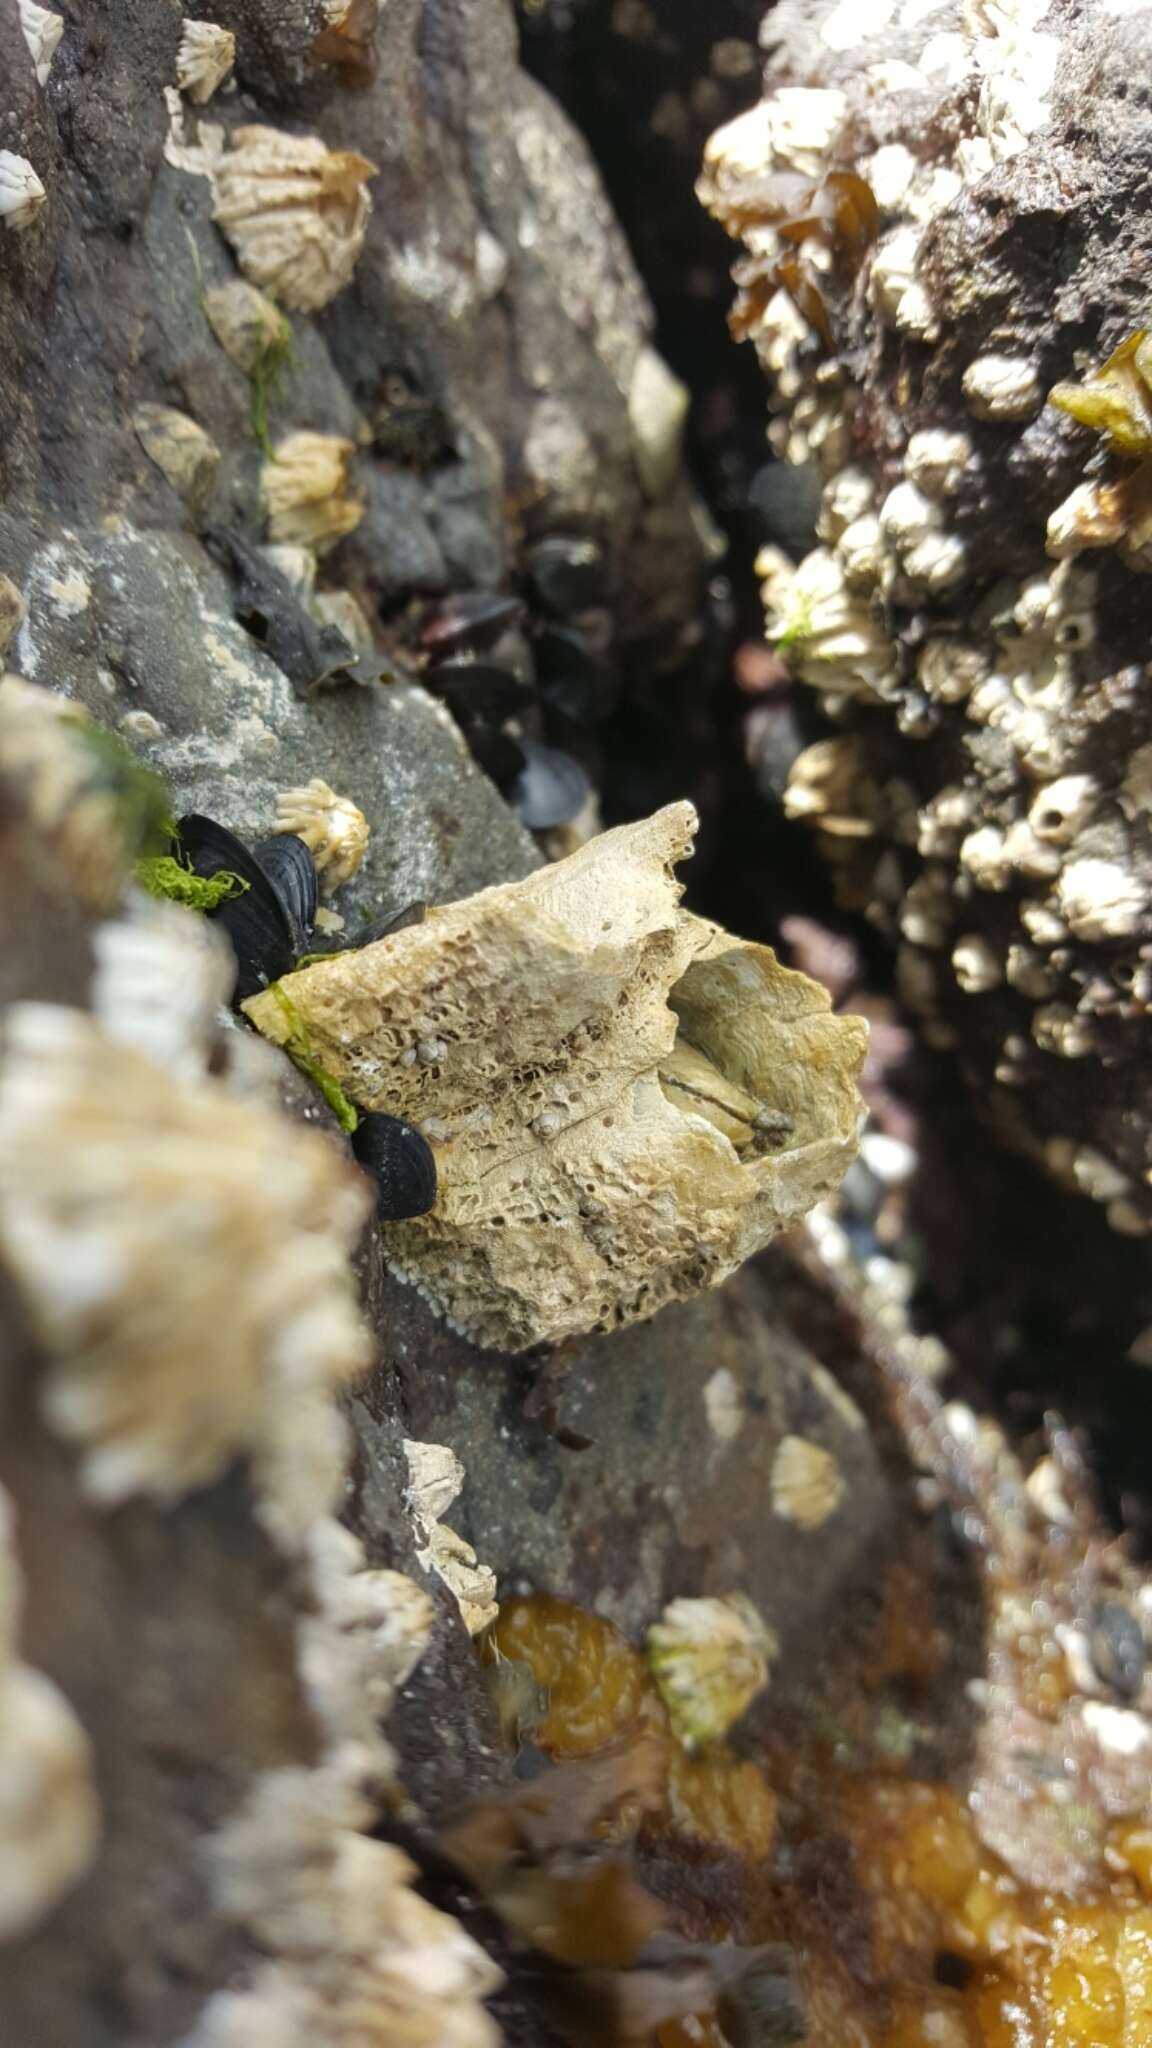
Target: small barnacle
column 186, row 455
column 896, row 290
column 1057, row 1028
column 204, row 59
column 806, row 1482
column 305, row 485
column 710, row 1659
column 295, row 212
column 1091, row 516
column 833, row 641
column 1102, row 900
column 1002, row 388
column 1116, row 399
column 862, row 553
column 984, row 854
column 42, row 33
column 21, row 193
column 950, row 669
column 848, row 496
column 13, row 612
column 245, row 322
column 1061, row 809
column 936, row 461
column 331, row 826
column 907, row 517
column 976, row 965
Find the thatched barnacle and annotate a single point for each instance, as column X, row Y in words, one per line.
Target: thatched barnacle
column 180, row 448
column 204, row 59
column 42, row 32
column 710, row 1659
column 332, row 827
column 295, row 212
column 21, row 193
column 305, row 485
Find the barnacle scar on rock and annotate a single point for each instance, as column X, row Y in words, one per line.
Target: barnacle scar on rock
column 179, row 447
column 49, row 1814
column 42, row 33
column 294, row 211
column 710, row 1659
column 305, row 485
column 435, row 1477
column 21, row 193
column 182, row 1257
column 528, row 1030
column 332, row 828
column 204, row 59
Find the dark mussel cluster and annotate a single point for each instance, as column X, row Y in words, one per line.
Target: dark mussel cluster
column 270, row 921
column 528, row 679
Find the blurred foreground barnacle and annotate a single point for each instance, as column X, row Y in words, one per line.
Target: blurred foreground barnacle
column 305, row 485
column 532, row 1022
column 1115, row 399
column 710, row 1659
column 333, row 829
column 13, row 612
column 294, row 211
column 180, row 448
column 435, row 1477
column 187, row 1211
column 94, row 804
column 49, row 1813
column 21, row 193
column 42, row 32
column 807, row 1483
column 829, row 633
column 204, row 59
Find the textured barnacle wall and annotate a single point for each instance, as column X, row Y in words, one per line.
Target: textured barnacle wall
column 973, row 610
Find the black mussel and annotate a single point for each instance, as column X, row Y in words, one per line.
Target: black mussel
column 469, row 623
column 1117, row 1648
column 550, row 789
column 785, row 497
column 497, row 753
column 572, row 678
column 291, row 870
column 256, row 921
column 478, row 689
column 401, row 1163
column 268, row 608
column 567, row 574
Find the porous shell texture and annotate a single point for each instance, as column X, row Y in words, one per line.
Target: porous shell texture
column 524, row 1030
column 295, row 212
column 971, row 648
column 136, row 1210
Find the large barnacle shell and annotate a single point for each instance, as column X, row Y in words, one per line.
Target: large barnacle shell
column 49, row 1815
column 294, row 211
column 305, row 486
column 526, row 1031
column 332, row 828
column 182, row 1257
column 42, row 33
column 21, row 193
column 204, row 59
column 187, row 455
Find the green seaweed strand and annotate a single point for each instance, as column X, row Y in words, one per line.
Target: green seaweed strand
column 164, row 876
column 265, row 378
column 300, row 1052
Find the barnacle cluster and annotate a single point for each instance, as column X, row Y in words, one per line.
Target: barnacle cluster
column 526, row 1032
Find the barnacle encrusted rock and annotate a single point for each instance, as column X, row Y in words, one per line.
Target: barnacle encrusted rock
column 21, row 192
column 49, row 1812
column 305, row 484
column 122, row 1187
column 526, row 1031
column 710, row 1659
column 294, row 211
column 333, row 828
column 204, row 59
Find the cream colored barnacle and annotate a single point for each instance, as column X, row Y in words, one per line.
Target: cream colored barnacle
column 179, row 447
column 710, row 1659
column 305, row 484
column 1002, row 388
column 21, row 193
column 245, row 322
column 42, row 32
column 331, row 826
column 807, row 1483
column 576, row 1191
column 295, row 212
column 204, row 59
column 13, row 612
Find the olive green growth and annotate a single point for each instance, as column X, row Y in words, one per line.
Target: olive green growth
column 164, row 876
column 265, row 379
column 299, row 1051
column 140, row 800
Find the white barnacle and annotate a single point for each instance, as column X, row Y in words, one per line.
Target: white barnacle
column 1002, row 388
column 179, row 447
column 710, row 1659
column 806, row 1482
column 204, row 59
column 306, row 489
column 832, row 637
column 1091, row 516
column 332, row 827
column 21, row 193
column 42, row 33
column 976, row 965
column 936, row 460
column 1102, row 900
column 895, row 289
column 1061, row 809
column 295, row 212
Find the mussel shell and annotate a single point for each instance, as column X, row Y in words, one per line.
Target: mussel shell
column 291, row 870
column 567, row 574
column 468, row 623
column 256, row 921
column 572, row 679
column 478, row 689
column 401, row 1162
column 500, row 756
column 550, row 789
